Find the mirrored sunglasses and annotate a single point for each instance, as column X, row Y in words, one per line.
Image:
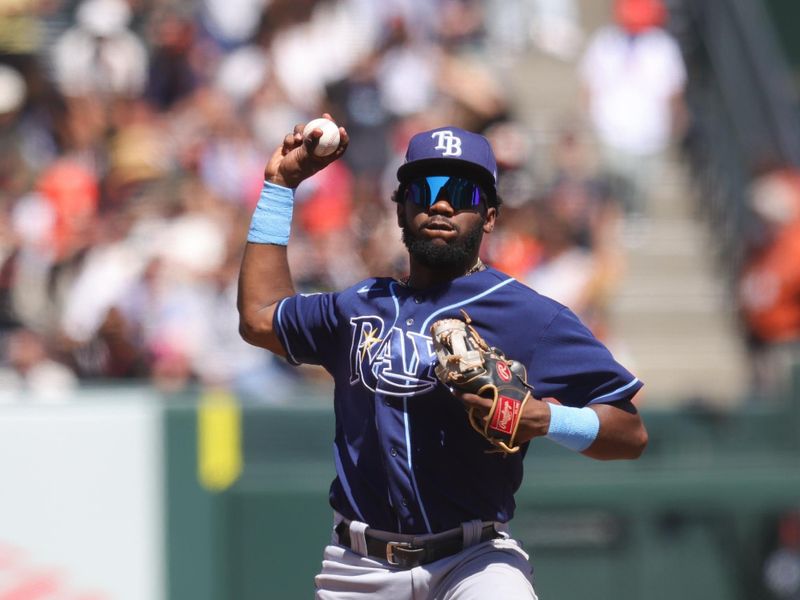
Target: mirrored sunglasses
column 461, row 193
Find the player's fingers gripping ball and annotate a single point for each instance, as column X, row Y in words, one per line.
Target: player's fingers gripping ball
column 329, row 141
column 467, row 363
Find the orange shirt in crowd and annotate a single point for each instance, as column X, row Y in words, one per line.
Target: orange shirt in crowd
column 769, row 290
column 73, row 193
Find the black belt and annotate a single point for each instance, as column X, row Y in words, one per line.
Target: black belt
column 408, row 551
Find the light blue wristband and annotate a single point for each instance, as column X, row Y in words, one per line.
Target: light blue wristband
column 272, row 219
column 575, row 428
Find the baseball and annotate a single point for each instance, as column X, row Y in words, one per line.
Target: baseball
column 329, row 141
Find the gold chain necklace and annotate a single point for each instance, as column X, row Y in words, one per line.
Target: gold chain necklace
column 478, row 266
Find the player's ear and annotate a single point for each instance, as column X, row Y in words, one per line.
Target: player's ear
column 489, row 219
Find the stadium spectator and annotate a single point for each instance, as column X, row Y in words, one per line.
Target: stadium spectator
column 633, row 77
column 14, row 170
column 174, row 68
column 100, row 55
column 769, row 282
column 781, row 569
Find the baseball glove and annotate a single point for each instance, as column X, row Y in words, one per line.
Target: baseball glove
column 466, row 362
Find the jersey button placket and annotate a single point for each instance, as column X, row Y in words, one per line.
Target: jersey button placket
column 393, row 446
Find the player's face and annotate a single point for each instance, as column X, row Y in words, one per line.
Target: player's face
column 443, row 220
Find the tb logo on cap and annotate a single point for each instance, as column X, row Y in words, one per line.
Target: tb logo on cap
column 446, row 141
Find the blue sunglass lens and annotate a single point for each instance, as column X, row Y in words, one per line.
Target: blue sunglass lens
column 464, row 193
column 418, row 193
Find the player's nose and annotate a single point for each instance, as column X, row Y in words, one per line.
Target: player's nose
column 442, row 205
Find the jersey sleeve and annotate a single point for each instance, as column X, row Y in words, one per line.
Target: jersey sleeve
column 575, row 368
column 306, row 326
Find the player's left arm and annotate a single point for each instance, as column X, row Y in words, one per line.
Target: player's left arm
column 578, row 395
column 621, row 433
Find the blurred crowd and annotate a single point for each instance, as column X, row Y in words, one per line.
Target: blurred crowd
column 133, row 136
column 768, row 280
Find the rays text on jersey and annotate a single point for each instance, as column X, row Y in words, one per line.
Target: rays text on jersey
column 390, row 360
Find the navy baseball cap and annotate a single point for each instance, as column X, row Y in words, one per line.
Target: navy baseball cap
column 450, row 150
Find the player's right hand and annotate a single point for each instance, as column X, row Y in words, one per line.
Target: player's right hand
column 295, row 161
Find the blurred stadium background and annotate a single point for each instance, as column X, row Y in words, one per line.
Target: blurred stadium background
column 648, row 156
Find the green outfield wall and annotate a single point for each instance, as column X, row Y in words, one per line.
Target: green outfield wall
column 695, row 518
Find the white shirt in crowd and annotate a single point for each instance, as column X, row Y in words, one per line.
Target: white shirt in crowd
column 632, row 81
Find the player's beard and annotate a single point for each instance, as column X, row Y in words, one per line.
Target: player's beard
column 460, row 252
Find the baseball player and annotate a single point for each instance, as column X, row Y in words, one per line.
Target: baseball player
column 424, row 489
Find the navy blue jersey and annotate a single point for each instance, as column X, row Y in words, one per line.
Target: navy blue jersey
column 406, row 457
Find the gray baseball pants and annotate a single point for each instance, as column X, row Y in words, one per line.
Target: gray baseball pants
column 494, row 569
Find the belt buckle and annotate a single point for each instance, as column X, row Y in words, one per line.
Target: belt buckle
column 390, row 546
column 404, row 561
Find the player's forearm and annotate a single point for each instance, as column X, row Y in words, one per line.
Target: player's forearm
column 622, row 434
column 264, row 280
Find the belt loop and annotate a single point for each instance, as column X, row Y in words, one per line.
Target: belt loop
column 502, row 529
column 472, row 532
column 357, row 540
